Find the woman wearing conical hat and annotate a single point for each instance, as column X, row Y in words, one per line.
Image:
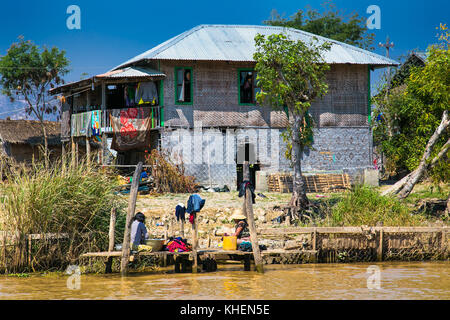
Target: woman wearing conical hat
column 241, row 226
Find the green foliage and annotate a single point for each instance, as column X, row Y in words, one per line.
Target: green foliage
column 412, row 112
column 291, row 74
column 365, row 206
column 27, row 72
column 331, row 23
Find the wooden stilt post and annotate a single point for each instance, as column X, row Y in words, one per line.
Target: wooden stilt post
column 130, row 213
column 77, row 151
column 88, row 151
column 112, row 226
column 245, row 176
column 166, row 237
column 194, row 245
column 73, row 151
column 104, row 137
column 29, row 252
column 314, row 240
column 63, row 153
column 380, row 246
column 251, row 223
column 182, row 228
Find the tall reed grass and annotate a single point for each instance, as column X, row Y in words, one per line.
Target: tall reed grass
column 62, row 199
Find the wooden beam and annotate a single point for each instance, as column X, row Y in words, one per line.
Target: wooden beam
column 300, row 230
column 129, row 220
column 251, row 224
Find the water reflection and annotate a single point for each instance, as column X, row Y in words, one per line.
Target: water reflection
column 421, row 280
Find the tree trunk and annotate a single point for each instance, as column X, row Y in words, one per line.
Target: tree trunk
column 401, row 183
column 299, row 199
column 409, row 185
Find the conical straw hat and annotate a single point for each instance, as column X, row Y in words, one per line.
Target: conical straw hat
column 238, row 215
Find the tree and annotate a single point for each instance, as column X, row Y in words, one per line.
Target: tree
column 27, row 73
column 421, row 118
column 291, row 75
column 330, row 23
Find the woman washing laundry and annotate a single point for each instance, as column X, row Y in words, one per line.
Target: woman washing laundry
column 139, row 232
column 242, row 232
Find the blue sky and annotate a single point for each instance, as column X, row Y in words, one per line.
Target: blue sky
column 114, row 31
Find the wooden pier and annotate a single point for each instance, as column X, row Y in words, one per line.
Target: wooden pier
column 183, row 261
column 316, row 245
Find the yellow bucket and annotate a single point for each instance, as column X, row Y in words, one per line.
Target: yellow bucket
column 230, row 243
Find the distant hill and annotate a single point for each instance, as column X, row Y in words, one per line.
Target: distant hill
column 15, row 110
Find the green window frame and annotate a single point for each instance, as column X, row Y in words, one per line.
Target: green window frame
column 176, row 86
column 255, row 87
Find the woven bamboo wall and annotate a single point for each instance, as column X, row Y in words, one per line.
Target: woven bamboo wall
column 215, row 86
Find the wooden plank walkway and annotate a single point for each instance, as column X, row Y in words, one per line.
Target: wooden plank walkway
column 315, row 245
column 207, row 257
column 199, row 252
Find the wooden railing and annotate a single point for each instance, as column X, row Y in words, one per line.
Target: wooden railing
column 80, row 122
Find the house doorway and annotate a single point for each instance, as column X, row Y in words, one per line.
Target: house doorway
column 246, row 152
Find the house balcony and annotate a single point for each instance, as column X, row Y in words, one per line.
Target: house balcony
column 82, row 123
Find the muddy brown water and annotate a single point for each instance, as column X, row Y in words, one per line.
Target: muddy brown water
column 405, row 280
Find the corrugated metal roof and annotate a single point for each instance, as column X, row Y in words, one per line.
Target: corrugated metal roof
column 236, row 43
column 131, row 72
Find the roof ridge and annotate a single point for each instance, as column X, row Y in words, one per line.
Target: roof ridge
column 308, row 34
column 176, row 39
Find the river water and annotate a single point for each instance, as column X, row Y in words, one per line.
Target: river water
column 405, row 280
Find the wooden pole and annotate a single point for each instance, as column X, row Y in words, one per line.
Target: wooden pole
column 380, row 246
column 77, row 150
column 251, row 224
column 314, row 239
column 104, row 137
column 194, row 244
column 182, row 228
column 88, row 151
column 130, row 213
column 88, row 145
column 73, row 151
column 112, row 226
column 245, row 177
column 63, row 154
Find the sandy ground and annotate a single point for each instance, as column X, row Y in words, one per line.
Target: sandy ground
column 214, row 218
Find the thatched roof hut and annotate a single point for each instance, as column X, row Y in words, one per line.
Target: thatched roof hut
column 20, row 139
column 29, row 132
